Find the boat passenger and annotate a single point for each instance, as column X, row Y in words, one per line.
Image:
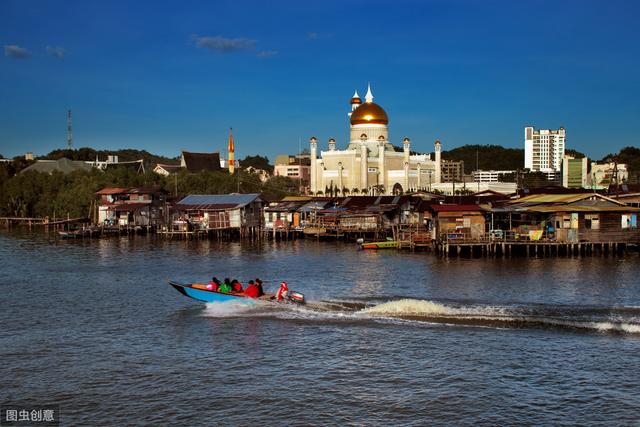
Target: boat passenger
column 282, row 292
column 214, row 284
column 259, row 286
column 225, row 286
column 236, row 286
column 252, row 290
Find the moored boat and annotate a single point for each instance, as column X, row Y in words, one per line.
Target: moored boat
column 389, row 244
column 200, row 292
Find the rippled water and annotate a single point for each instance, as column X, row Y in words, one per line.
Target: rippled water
column 387, row 338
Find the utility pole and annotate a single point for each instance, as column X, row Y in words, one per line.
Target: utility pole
column 299, row 165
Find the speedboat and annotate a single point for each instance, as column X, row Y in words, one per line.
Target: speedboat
column 200, row 292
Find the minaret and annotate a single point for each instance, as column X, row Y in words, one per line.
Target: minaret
column 355, row 101
column 231, row 148
column 313, row 142
column 438, row 149
column 406, row 145
column 382, row 173
column 369, row 96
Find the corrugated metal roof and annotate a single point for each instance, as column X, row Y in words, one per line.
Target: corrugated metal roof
column 314, row 206
column 209, row 207
column 112, row 190
column 296, row 199
column 63, row 165
column 456, row 208
column 286, row 206
column 219, row 199
column 560, row 198
column 574, row 208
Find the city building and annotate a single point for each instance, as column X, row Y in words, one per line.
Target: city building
column 544, row 150
column 370, row 164
column 295, row 167
column 491, row 176
column 452, row 188
column 605, row 174
column 451, row 171
column 574, row 172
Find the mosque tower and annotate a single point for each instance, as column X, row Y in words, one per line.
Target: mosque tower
column 369, row 124
column 231, row 149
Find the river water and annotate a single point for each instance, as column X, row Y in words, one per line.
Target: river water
column 388, row 338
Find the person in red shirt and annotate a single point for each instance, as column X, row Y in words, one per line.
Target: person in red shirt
column 236, row 286
column 252, row 290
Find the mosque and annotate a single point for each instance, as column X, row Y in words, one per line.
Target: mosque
column 369, row 165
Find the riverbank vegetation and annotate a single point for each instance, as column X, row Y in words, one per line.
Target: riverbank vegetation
column 35, row 194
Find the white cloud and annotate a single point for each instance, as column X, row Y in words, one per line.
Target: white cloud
column 56, row 51
column 16, row 52
column 267, row 53
column 225, row 45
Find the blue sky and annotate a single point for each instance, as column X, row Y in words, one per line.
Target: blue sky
column 165, row 76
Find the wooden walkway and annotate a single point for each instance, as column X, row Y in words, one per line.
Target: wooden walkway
column 528, row 248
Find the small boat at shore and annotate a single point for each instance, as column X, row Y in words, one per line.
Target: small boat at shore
column 200, row 292
column 388, row 244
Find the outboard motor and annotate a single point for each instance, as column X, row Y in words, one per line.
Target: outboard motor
column 296, row 297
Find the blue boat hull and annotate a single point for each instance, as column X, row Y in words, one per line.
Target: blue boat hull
column 209, row 296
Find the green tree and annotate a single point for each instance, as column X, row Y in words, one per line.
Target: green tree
column 488, row 157
column 258, row 162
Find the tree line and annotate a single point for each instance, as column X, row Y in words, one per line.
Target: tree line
column 35, row 194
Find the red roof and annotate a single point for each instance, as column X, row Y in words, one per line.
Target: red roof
column 112, row 190
column 456, row 208
column 127, row 190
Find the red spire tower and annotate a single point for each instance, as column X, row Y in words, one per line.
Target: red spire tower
column 231, row 148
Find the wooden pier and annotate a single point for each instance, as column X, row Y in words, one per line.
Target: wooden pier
column 528, row 249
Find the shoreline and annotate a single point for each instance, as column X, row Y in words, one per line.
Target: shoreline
column 443, row 249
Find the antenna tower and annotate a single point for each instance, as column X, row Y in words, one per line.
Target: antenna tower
column 69, row 133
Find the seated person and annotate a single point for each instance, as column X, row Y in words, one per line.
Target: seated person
column 225, row 286
column 236, row 286
column 214, row 284
column 252, row 290
column 259, row 285
column 283, row 292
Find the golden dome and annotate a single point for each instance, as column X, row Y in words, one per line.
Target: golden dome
column 369, row 113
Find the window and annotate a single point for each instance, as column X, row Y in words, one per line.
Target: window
column 629, row 221
column 373, row 169
column 592, row 221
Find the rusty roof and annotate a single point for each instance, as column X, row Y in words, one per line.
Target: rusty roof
column 561, row 198
column 456, row 208
column 112, row 190
column 573, row 208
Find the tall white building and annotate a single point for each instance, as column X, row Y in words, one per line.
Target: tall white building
column 544, row 149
